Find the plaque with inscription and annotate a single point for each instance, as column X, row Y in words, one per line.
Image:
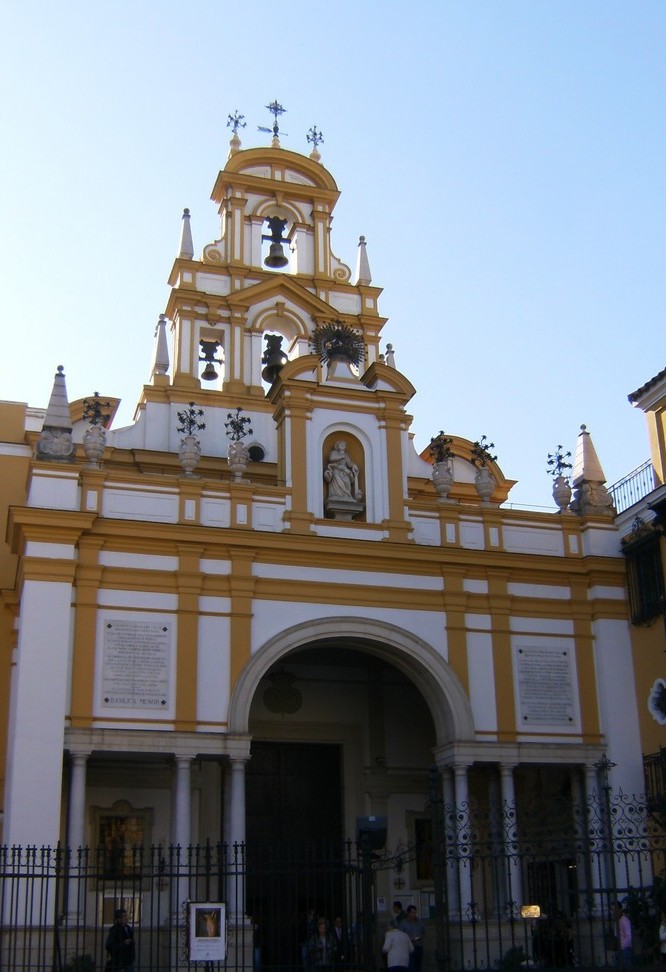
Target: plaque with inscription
column 136, row 664
column 545, row 681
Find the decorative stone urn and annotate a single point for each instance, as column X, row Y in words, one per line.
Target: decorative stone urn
column 94, row 443
column 189, row 453
column 561, row 492
column 442, row 477
column 238, row 458
column 485, row 484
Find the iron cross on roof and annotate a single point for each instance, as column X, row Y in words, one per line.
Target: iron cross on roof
column 276, row 110
column 314, row 136
column 236, row 121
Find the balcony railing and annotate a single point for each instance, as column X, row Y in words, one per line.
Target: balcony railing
column 633, row 487
column 654, row 766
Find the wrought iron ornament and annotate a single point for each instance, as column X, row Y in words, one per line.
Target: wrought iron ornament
column 276, row 110
column 314, row 136
column 235, row 122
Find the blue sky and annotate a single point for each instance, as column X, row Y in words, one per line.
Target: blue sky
column 505, row 161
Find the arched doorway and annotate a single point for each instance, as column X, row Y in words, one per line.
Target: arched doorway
column 344, row 715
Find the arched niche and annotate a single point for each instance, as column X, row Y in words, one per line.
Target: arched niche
column 356, row 453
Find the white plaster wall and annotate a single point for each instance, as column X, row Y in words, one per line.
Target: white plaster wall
column 116, row 558
column 337, row 528
column 134, row 436
column 533, row 540
column 539, row 590
column 57, row 551
column 213, row 283
column 610, row 593
column 601, row 541
column 336, row 576
column 616, row 691
column 426, row 529
column 213, row 654
column 546, row 626
column 142, row 600
column 414, row 465
column 272, row 617
column 157, row 507
column 268, row 517
column 482, row 677
column 215, row 512
column 345, row 303
column 471, row 534
column 54, row 490
column 37, row 719
column 474, row 586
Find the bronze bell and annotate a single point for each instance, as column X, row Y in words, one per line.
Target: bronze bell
column 276, row 257
column 273, row 358
column 209, row 373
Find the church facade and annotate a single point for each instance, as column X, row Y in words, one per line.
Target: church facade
column 260, row 612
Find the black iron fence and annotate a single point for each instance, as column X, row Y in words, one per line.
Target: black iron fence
column 498, row 886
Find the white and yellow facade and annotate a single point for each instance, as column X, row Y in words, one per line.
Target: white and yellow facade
column 157, row 625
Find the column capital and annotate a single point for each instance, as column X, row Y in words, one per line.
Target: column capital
column 460, row 768
column 183, row 757
column 79, row 755
column 238, row 762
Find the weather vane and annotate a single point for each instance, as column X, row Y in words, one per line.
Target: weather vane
column 235, row 122
column 276, row 110
column 314, row 137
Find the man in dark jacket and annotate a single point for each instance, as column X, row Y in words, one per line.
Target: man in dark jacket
column 120, row 943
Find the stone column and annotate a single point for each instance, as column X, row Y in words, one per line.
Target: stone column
column 596, row 830
column 467, row 905
column 76, row 833
column 511, row 844
column 449, row 815
column 182, row 830
column 236, row 881
column 496, row 807
column 582, row 860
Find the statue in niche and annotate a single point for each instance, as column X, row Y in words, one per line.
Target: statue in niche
column 341, row 474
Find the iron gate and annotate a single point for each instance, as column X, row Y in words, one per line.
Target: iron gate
column 472, row 872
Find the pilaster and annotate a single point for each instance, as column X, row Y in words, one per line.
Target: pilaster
column 190, row 582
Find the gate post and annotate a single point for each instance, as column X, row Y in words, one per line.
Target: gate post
column 438, row 852
column 365, row 846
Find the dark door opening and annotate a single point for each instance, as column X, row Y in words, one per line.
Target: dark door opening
column 295, row 850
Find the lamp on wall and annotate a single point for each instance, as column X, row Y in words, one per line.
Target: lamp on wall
column 209, row 349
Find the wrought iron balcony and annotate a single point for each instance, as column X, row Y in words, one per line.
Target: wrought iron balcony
column 633, row 487
column 654, row 767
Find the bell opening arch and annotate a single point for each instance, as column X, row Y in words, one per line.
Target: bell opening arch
column 439, row 686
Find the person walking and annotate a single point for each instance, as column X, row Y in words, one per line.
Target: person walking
column 397, row 948
column 662, row 938
column 120, row 943
column 414, row 928
column 623, row 931
column 399, row 915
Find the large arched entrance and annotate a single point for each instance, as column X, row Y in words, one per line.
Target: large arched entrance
column 344, row 715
